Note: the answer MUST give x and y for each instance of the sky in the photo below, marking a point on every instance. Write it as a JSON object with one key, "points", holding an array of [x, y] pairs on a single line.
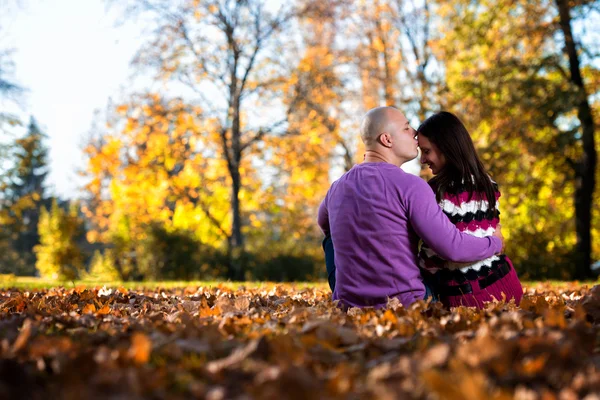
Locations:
{"points": [[72, 58]]}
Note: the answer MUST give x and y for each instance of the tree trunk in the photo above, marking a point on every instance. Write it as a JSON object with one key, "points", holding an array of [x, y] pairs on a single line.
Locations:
{"points": [[586, 167], [237, 239], [388, 79]]}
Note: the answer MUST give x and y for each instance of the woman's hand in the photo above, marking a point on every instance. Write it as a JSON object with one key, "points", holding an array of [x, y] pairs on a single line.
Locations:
{"points": [[498, 234]]}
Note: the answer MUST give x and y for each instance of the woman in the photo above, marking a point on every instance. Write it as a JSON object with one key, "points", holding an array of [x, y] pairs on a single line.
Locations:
{"points": [[469, 198]]}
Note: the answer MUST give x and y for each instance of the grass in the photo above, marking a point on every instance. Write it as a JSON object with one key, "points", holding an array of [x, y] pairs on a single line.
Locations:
{"points": [[560, 284], [29, 283]]}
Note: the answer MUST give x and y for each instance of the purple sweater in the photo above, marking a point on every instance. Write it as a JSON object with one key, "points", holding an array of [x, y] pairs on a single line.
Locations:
{"points": [[375, 214]]}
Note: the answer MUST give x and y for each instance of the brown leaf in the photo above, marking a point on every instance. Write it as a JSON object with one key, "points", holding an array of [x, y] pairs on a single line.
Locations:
{"points": [[591, 303], [23, 337], [331, 334], [533, 365], [436, 356], [242, 303], [285, 342], [225, 304], [234, 358]]}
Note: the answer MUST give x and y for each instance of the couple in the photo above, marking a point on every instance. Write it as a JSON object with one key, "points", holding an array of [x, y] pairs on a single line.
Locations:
{"points": [[390, 234]]}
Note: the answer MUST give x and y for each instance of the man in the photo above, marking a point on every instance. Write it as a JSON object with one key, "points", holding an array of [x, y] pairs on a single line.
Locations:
{"points": [[375, 214]]}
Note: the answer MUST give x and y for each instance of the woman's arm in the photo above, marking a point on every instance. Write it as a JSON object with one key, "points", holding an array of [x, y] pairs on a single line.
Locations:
{"points": [[434, 227]]}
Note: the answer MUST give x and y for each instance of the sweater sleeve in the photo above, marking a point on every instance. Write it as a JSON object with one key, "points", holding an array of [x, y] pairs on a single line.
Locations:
{"points": [[431, 224], [323, 217]]}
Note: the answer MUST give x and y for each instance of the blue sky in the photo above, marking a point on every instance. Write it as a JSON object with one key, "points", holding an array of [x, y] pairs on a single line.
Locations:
{"points": [[72, 58]]}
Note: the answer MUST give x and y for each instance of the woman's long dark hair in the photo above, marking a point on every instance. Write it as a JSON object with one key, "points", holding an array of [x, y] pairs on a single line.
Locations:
{"points": [[448, 133]]}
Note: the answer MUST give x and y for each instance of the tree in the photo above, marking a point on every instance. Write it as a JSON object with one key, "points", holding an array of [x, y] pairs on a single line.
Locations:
{"points": [[58, 256], [9, 89], [102, 268], [303, 157], [391, 41], [224, 51], [23, 197], [380, 56], [11, 92], [156, 168], [27, 186], [395, 57], [585, 167], [505, 77]]}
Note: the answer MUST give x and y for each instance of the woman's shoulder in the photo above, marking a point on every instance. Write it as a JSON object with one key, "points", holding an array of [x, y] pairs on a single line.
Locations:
{"points": [[461, 187], [433, 183]]}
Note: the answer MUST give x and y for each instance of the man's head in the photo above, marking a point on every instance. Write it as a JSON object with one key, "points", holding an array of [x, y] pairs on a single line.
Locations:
{"points": [[386, 131]]}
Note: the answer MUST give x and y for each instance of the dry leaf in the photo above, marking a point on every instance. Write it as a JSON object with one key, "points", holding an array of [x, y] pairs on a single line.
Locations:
{"points": [[591, 303], [242, 303], [140, 349], [104, 310], [23, 337], [281, 342], [89, 309]]}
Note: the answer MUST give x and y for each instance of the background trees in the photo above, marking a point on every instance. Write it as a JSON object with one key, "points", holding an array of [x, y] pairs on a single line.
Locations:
{"points": [[217, 166]]}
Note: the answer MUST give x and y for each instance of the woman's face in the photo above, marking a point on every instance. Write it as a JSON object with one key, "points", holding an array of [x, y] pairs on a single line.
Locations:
{"points": [[431, 155]]}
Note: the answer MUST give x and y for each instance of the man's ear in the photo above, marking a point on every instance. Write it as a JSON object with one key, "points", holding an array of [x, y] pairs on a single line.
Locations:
{"points": [[385, 139]]}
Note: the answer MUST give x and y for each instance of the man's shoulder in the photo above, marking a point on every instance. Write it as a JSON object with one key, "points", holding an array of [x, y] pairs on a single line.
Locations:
{"points": [[408, 179], [388, 171]]}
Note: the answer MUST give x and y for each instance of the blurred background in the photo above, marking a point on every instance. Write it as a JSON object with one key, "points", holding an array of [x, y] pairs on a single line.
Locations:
{"points": [[180, 140]]}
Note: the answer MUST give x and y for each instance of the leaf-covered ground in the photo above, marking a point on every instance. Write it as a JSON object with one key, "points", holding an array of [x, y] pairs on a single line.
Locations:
{"points": [[278, 342]]}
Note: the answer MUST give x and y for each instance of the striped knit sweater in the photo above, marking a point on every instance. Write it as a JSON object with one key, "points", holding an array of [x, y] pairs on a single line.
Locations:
{"points": [[473, 217]]}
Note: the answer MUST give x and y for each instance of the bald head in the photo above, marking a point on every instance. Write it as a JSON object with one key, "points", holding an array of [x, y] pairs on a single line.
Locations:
{"points": [[377, 121]]}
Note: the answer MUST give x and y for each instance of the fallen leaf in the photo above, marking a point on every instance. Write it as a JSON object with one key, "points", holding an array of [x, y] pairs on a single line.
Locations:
{"points": [[104, 310], [23, 337], [89, 309], [140, 349]]}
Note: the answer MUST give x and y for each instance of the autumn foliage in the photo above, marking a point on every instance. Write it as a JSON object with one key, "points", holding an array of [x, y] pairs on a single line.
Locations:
{"points": [[279, 341], [240, 167], [215, 166]]}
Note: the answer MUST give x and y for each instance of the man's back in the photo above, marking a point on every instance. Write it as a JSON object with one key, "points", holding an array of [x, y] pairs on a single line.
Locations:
{"points": [[375, 245]]}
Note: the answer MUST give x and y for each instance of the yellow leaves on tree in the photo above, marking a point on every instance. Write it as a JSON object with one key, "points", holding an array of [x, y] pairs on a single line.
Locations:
{"points": [[493, 53], [58, 256], [158, 168]]}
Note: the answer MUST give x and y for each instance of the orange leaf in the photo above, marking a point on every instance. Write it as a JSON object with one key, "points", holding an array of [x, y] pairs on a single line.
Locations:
{"points": [[141, 347], [104, 310], [88, 309]]}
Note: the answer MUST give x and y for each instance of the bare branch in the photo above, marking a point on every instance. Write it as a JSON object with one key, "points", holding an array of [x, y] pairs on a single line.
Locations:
{"points": [[261, 133]]}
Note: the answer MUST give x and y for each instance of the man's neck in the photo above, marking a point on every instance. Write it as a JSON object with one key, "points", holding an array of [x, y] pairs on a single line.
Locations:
{"points": [[373, 156]]}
